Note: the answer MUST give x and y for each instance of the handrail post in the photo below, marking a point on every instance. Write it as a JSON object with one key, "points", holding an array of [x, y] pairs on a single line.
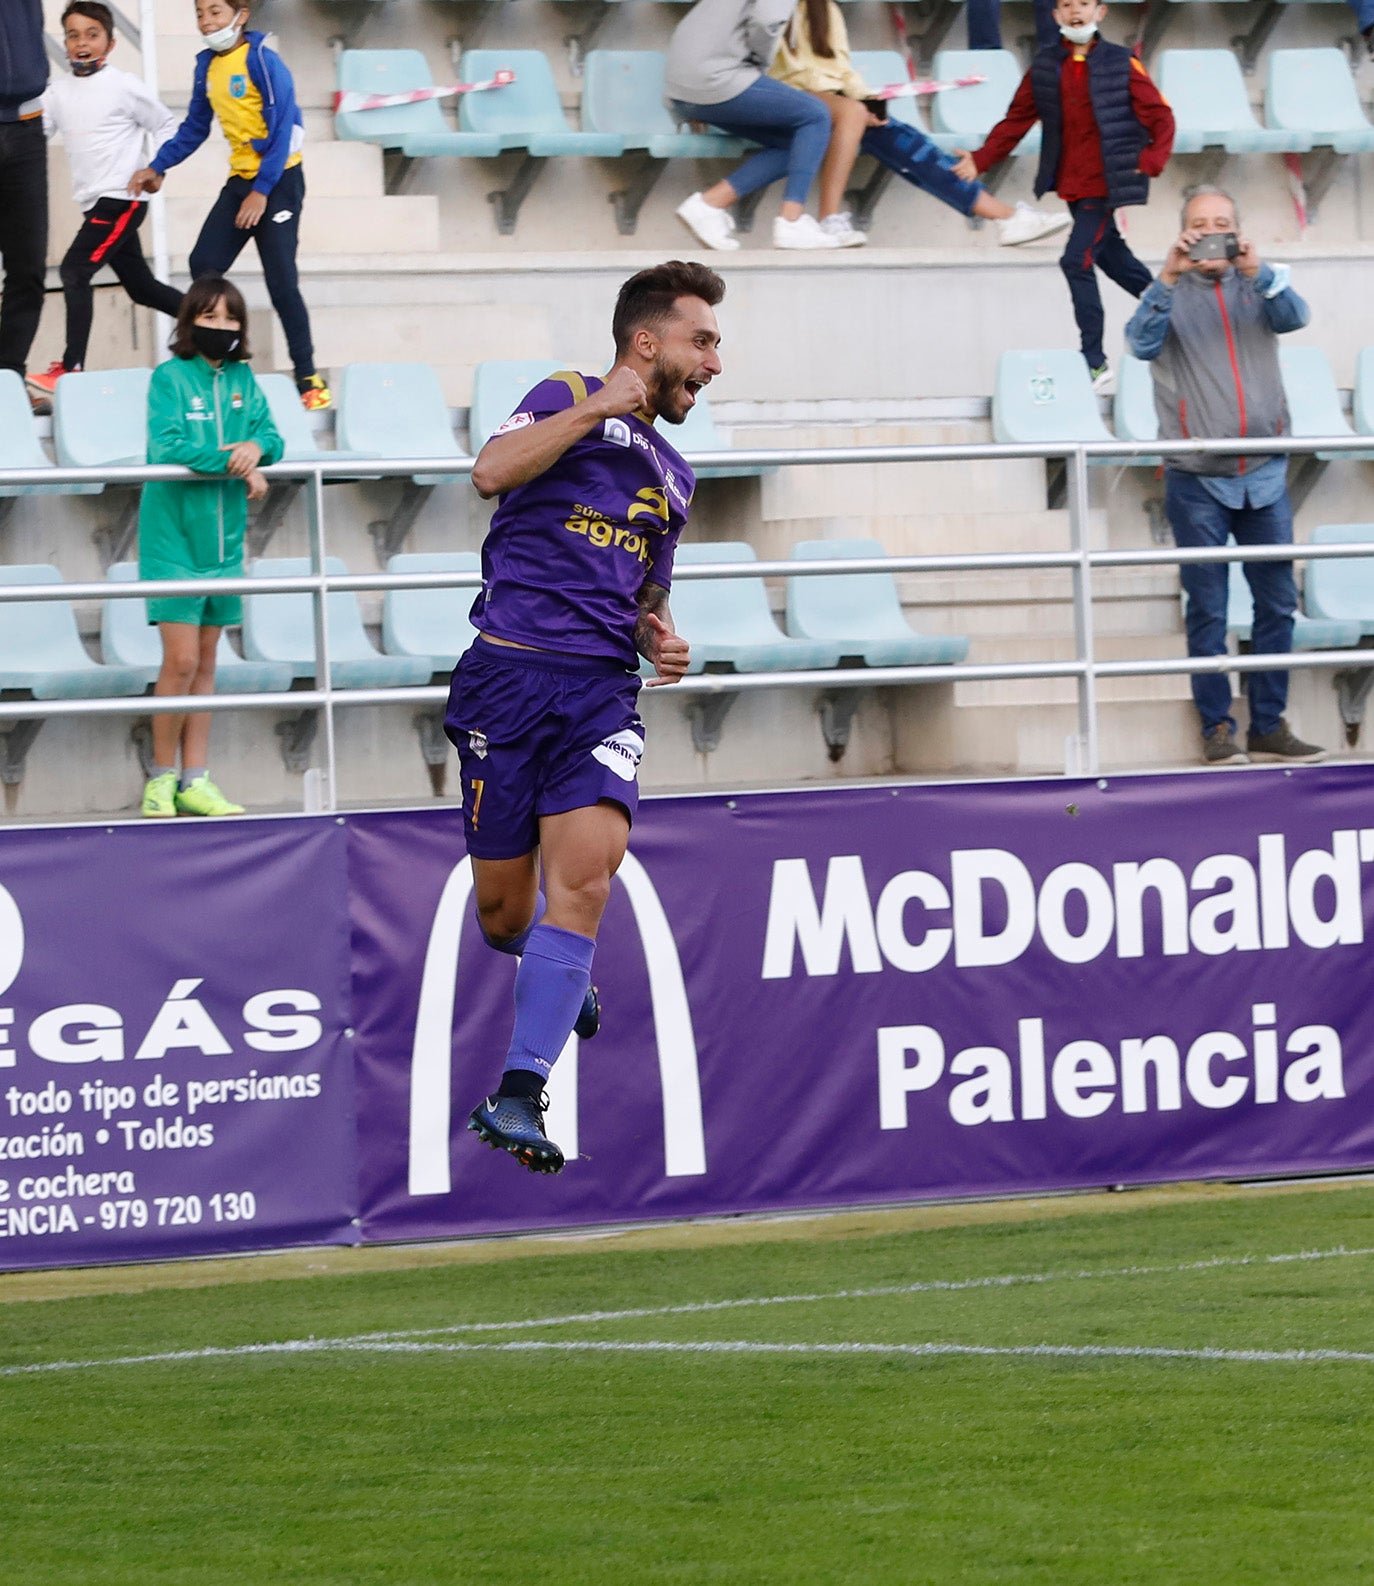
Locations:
{"points": [[1080, 535], [320, 599]]}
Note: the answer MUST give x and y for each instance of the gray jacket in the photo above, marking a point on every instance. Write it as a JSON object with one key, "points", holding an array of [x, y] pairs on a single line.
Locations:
{"points": [[721, 47], [1213, 350]]}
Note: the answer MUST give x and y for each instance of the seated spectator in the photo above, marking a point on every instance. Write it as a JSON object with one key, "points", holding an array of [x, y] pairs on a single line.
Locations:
{"points": [[104, 116], [814, 56], [717, 64], [208, 413]]}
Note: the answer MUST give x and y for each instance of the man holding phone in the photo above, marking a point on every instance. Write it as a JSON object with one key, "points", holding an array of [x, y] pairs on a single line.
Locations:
{"points": [[1209, 329]]}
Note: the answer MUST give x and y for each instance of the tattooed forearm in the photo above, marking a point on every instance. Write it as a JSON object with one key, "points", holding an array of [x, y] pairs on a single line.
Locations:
{"points": [[653, 601]]}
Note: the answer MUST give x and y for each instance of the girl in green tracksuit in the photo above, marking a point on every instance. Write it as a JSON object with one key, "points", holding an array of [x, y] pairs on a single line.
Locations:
{"points": [[206, 412]]}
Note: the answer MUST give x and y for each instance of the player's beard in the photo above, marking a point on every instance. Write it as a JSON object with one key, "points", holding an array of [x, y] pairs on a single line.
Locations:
{"points": [[666, 393]]}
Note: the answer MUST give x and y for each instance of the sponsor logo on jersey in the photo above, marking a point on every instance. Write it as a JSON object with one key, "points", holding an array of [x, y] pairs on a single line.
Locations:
{"points": [[651, 502], [617, 431], [621, 753]]}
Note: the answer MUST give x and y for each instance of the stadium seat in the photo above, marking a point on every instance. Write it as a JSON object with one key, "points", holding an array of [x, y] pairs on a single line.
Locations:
{"points": [[431, 624], [1045, 395], [528, 115], [1341, 589], [130, 640], [41, 650], [293, 424], [881, 69], [860, 612], [100, 418], [415, 131], [1309, 633], [1313, 92], [1211, 107], [1133, 408], [498, 386], [1314, 402], [622, 94], [1362, 406], [19, 444], [727, 621], [281, 629], [391, 411], [967, 115]]}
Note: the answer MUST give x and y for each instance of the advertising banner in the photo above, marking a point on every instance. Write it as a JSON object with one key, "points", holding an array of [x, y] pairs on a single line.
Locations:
{"points": [[175, 1072], [854, 995]]}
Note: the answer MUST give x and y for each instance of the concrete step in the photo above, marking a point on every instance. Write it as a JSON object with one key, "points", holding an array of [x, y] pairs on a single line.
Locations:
{"points": [[400, 225], [332, 170]]}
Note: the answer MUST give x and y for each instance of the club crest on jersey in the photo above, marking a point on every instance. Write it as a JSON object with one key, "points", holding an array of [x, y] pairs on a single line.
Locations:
{"points": [[517, 421], [617, 431], [238, 86], [477, 744]]}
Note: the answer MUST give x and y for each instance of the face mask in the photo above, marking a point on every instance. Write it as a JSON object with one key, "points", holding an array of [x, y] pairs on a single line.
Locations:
{"points": [[223, 39], [86, 68], [1079, 35], [213, 342]]}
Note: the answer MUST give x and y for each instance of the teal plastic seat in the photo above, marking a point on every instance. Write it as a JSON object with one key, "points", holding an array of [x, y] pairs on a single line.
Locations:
{"points": [[498, 388], [1342, 588], [1309, 633], [394, 411], [1133, 409], [622, 94], [19, 444], [431, 624], [727, 621], [100, 419], [1314, 402], [1045, 395], [882, 68], [128, 638], [861, 612], [967, 115], [1206, 90], [41, 649], [1312, 91], [281, 629], [418, 130], [1362, 405], [528, 114], [293, 425]]}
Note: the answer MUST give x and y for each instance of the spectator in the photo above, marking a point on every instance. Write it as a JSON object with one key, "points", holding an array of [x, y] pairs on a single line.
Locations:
{"points": [[814, 56], [1107, 130], [206, 412], [1209, 329], [104, 116], [985, 24], [717, 64], [23, 181], [246, 86]]}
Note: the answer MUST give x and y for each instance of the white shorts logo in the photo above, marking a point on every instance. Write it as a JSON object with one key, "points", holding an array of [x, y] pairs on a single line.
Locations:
{"points": [[622, 753], [517, 421], [616, 431], [281, 215]]}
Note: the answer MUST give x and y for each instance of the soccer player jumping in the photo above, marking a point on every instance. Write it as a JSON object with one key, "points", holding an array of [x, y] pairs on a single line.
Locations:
{"points": [[575, 574]]}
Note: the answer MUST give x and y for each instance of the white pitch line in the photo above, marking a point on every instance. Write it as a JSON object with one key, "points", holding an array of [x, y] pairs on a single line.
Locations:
{"points": [[325, 1346], [695, 1308]]}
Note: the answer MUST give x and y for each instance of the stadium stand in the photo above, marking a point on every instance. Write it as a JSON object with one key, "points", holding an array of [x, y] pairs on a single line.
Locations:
{"points": [[1309, 633], [430, 624], [1212, 109], [21, 448], [962, 118]]}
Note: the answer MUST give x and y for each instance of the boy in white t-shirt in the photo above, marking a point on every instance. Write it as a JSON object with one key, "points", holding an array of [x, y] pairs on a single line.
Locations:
{"points": [[105, 117]]}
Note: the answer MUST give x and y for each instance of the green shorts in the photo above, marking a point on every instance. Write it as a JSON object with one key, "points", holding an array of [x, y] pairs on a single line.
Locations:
{"points": [[201, 611]]}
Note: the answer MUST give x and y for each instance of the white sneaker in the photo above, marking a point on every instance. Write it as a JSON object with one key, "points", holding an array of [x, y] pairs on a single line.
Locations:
{"points": [[803, 232], [710, 225], [1028, 225], [1104, 381], [841, 226]]}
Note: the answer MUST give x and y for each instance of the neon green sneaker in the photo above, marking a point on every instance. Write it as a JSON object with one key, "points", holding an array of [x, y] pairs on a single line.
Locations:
{"points": [[160, 795], [204, 798]]}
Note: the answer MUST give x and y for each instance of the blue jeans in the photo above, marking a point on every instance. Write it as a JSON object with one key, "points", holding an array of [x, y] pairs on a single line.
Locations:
{"points": [[1198, 518], [1364, 13], [907, 151], [985, 31], [1096, 244], [793, 127]]}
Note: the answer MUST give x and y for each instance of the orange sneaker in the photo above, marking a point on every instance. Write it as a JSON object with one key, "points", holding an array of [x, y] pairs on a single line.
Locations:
{"points": [[46, 383], [315, 394]]}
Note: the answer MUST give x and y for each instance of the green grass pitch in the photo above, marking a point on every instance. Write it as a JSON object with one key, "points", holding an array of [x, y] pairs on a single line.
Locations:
{"points": [[1035, 1396]]}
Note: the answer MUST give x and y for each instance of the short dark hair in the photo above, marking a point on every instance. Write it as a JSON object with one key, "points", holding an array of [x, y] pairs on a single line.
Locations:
{"points": [[646, 300], [92, 9], [201, 296]]}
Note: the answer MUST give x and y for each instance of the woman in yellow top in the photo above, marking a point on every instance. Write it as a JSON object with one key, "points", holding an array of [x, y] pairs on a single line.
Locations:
{"points": [[814, 56]]}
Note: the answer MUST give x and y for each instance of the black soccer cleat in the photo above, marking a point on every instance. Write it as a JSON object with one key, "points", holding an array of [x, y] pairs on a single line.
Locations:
{"points": [[516, 1124], [588, 1016]]}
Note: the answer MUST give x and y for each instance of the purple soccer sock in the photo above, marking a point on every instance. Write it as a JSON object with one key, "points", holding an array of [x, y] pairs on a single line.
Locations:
{"points": [[516, 945], [555, 971]]}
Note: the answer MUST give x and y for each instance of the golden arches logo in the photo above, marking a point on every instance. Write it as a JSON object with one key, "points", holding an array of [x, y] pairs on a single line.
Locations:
{"points": [[651, 502]]}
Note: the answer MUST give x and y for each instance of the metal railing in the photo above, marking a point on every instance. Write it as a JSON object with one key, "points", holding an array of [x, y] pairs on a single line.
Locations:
{"points": [[1081, 561]]}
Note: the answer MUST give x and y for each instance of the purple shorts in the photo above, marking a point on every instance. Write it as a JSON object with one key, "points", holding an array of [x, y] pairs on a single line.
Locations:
{"points": [[539, 734]]}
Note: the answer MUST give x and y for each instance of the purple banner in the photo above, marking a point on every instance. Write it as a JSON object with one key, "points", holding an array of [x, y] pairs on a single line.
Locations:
{"points": [[861, 995], [175, 1076]]}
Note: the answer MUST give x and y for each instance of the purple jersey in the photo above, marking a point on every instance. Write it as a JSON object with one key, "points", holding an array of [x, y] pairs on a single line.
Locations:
{"points": [[567, 553]]}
